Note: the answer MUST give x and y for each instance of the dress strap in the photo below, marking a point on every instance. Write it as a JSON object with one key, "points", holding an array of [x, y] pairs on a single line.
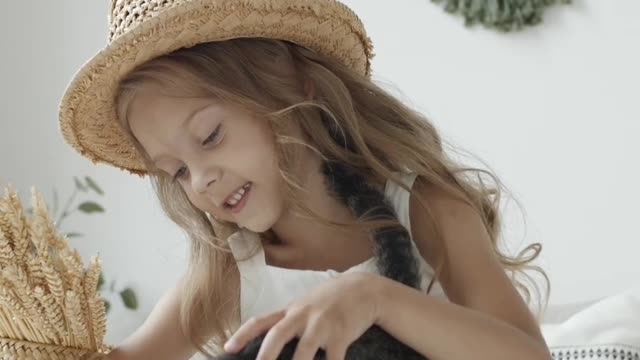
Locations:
{"points": [[400, 198], [247, 247], [249, 255]]}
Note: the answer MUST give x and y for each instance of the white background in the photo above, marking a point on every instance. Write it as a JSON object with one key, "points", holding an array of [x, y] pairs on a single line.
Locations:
{"points": [[550, 109]]}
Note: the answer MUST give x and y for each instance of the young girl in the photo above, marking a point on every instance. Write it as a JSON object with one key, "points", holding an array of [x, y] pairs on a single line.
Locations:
{"points": [[231, 107]]}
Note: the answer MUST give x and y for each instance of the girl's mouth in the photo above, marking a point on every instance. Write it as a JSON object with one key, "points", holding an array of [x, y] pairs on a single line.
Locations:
{"points": [[236, 201]]}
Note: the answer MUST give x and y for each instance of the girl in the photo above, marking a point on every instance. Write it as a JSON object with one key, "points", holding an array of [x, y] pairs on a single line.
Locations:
{"points": [[231, 107]]}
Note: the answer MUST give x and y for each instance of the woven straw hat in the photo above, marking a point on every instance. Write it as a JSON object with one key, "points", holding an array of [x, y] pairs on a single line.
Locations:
{"points": [[141, 30]]}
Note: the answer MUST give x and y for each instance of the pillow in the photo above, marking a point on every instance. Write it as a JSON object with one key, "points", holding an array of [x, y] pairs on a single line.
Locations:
{"points": [[607, 329]]}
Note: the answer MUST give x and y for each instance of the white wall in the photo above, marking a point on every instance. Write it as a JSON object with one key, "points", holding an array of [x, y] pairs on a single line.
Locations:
{"points": [[40, 53], [550, 109]]}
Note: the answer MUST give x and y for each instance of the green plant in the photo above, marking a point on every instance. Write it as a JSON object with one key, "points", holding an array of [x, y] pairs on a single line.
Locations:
{"points": [[128, 295], [87, 207], [502, 15], [86, 186]]}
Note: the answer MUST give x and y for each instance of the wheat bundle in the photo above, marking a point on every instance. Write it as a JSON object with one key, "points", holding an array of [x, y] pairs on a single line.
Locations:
{"points": [[49, 304]]}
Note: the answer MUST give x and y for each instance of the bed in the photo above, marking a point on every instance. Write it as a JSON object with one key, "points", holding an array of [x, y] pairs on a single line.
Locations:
{"points": [[605, 329]]}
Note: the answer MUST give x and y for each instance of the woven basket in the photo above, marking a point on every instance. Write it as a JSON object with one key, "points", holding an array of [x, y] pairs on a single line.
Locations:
{"points": [[16, 349], [49, 304]]}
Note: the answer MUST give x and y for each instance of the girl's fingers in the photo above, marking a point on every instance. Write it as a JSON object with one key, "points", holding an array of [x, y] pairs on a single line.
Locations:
{"points": [[277, 337], [337, 351], [250, 330], [308, 346]]}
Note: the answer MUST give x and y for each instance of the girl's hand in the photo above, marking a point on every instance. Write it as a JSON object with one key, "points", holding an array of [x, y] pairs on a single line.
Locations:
{"points": [[331, 317]]}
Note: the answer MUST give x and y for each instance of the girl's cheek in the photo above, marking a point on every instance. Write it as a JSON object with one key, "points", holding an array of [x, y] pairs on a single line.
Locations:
{"points": [[221, 216], [203, 204]]}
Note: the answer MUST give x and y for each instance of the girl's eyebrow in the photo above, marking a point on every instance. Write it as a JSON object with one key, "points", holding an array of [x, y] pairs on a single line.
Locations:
{"points": [[184, 124]]}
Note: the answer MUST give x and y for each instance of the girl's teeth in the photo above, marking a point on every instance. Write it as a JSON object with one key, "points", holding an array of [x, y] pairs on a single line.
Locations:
{"points": [[238, 195]]}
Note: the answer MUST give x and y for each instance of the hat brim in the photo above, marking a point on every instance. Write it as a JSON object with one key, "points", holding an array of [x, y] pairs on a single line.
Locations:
{"points": [[88, 118]]}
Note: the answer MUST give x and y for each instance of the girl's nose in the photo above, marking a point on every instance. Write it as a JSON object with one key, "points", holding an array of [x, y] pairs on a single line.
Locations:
{"points": [[201, 181]]}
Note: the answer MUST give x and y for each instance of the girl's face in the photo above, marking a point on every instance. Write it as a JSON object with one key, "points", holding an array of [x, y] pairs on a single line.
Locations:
{"points": [[224, 158]]}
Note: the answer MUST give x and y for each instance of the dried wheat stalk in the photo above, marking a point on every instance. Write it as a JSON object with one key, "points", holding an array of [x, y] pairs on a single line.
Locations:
{"points": [[49, 304]]}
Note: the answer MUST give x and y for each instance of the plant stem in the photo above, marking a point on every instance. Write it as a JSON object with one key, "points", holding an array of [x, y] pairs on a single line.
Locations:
{"points": [[65, 210], [55, 202]]}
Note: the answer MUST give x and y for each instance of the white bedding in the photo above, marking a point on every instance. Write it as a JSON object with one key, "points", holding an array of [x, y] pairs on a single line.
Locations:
{"points": [[607, 329]]}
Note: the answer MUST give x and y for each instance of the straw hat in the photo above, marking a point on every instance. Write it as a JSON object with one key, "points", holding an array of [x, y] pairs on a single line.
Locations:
{"points": [[141, 30]]}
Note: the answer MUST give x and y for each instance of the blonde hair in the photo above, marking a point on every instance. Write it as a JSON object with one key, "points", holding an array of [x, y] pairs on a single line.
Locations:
{"points": [[267, 78]]}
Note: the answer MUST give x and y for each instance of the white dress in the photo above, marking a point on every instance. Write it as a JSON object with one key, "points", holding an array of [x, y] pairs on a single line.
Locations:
{"points": [[265, 288]]}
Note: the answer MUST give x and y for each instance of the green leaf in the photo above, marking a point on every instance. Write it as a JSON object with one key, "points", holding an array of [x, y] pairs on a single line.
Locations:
{"points": [[129, 298], [89, 207], [451, 7], [500, 15], [92, 184], [475, 9], [100, 281], [79, 185], [492, 11], [73, 235], [107, 306]]}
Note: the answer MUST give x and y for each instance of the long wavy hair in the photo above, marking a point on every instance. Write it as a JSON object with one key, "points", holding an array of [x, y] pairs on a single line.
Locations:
{"points": [[268, 77]]}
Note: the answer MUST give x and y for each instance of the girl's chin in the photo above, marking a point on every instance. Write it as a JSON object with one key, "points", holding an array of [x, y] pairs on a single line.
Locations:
{"points": [[258, 224], [256, 227]]}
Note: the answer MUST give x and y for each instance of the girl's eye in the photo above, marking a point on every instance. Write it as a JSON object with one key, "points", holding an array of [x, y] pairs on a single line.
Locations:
{"points": [[213, 137], [180, 173]]}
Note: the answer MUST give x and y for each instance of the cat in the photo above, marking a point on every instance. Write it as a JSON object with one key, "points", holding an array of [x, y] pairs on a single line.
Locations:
{"points": [[394, 259]]}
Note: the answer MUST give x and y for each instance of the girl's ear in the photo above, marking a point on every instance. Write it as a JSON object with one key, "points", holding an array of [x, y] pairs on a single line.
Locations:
{"points": [[309, 89]]}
